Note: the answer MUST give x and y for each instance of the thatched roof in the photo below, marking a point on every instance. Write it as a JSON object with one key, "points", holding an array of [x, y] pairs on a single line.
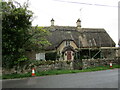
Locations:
{"points": [[85, 37]]}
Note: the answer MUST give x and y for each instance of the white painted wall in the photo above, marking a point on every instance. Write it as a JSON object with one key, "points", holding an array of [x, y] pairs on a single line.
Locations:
{"points": [[40, 56]]}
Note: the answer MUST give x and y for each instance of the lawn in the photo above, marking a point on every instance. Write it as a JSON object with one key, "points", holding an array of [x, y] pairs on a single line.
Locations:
{"points": [[56, 72]]}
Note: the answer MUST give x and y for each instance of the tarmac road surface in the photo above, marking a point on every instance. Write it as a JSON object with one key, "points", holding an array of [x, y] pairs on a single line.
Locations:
{"points": [[97, 79]]}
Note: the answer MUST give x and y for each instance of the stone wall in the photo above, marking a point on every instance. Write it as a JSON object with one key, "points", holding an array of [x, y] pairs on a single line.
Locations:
{"points": [[61, 65], [56, 66], [87, 63], [38, 68]]}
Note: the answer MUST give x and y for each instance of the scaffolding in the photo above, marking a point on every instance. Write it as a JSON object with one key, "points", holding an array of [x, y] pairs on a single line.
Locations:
{"points": [[95, 51]]}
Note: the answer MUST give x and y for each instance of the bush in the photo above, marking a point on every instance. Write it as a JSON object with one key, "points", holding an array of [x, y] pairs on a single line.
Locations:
{"points": [[51, 56], [68, 62]]}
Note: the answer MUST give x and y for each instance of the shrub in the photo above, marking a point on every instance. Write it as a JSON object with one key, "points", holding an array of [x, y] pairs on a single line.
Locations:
{"points": [[51, 56], [68, 62]]}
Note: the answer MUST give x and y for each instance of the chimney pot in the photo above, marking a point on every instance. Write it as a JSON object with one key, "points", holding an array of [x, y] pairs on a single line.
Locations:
{"points": [[78, 23], [52, 22]]}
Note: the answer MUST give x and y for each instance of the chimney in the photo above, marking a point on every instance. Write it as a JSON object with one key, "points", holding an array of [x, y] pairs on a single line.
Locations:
{"points": [[78, 23], [52, 22]]}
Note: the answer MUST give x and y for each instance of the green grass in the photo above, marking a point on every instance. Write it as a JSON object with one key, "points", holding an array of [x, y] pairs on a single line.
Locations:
{"points": [[56, 72]]}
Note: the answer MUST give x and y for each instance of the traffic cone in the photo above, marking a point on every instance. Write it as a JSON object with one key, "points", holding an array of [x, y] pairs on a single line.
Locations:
{"points": [[110, 64], [33, 72]]}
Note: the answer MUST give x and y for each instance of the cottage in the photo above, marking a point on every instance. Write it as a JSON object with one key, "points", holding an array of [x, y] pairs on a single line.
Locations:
{"points": [[66, 40]]}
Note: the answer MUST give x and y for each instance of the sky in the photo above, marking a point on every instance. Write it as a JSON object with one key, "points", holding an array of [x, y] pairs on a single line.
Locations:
{"points": [[93, 13]]}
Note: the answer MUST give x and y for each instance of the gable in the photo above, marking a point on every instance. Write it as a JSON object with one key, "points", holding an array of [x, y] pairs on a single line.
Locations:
{"points": [[64, 44]]}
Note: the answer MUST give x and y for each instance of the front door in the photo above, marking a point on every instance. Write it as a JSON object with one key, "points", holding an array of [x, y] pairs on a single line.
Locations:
{"points": [[69, 56]]}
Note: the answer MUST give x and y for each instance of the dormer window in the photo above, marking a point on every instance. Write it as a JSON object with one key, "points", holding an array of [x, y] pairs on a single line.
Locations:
{"points": [[67, 43]]}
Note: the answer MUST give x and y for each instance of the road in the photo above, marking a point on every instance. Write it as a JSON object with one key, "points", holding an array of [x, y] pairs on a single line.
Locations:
{"points": [[97, 79]]}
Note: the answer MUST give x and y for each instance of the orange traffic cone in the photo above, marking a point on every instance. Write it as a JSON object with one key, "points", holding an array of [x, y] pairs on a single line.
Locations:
{"points": [[33, 72], [110, 64]]}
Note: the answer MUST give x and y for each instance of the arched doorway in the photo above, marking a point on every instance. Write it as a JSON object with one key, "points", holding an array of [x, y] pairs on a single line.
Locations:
{"points": [[68, 53]]}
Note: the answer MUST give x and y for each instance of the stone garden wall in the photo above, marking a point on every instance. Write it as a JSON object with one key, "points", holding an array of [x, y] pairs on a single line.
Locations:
{"points": [[44, 66], [60, 65], [57, 66], [87, 63]]}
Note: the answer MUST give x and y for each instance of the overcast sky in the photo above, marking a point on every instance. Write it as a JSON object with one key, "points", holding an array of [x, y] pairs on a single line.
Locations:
{"points": [[66, 13]]}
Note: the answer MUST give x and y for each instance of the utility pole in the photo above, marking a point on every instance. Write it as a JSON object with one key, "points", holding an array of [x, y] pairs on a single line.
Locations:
{"points": [[79, 45], [79, 36]]}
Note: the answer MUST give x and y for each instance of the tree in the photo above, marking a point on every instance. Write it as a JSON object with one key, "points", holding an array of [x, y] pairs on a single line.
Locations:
{"points": [[18, 34], [37, 39]]}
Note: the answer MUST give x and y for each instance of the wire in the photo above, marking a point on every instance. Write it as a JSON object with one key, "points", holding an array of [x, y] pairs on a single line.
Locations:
{"points": [[87, 3]]}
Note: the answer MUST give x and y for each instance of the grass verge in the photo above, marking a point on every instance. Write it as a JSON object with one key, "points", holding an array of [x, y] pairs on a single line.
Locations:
{"points": [[56, 72]]}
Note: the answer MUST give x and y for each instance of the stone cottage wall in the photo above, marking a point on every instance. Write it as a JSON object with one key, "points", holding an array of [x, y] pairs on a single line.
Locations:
{"points": [[31, 55]]}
